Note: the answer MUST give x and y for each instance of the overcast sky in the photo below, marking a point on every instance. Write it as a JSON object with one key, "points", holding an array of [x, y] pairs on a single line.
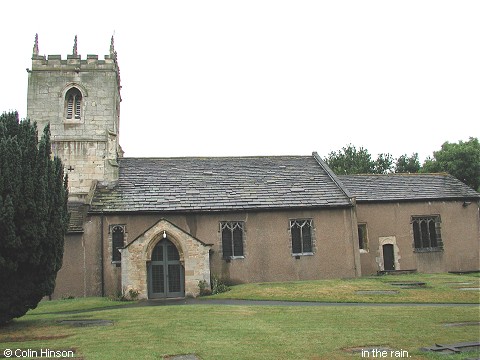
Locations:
{"points": [[231, 78]]}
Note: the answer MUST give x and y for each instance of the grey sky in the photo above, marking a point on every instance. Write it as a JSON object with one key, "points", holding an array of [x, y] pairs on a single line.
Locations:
{"points": [[225, 78]]}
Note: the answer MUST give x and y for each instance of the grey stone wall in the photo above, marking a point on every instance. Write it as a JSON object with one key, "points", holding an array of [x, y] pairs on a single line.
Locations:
{"points": [[87, 146]]}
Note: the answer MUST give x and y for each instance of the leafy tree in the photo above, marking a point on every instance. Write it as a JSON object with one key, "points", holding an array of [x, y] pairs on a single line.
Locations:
{"points": [[383, 164], [33, 216], [461, 160], [349, 160], [405, 164]]}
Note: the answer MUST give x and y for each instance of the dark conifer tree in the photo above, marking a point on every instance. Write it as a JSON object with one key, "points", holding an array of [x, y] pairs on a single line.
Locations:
{"points": [[33, 216]]}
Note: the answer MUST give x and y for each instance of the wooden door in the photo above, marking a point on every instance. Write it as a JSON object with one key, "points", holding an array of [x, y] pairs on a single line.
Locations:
{"points": [[388, 257], [165, 272]]}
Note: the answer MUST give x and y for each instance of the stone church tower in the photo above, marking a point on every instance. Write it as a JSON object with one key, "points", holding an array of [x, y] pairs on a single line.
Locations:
{"points": [[80, 99]]}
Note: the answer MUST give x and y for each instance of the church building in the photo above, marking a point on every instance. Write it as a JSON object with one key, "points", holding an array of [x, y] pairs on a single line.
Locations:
{"points": [[160, 226]]}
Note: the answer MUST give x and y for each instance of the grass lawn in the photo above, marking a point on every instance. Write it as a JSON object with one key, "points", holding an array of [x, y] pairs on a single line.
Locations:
{"points": [[240, 332], [438, 288]]}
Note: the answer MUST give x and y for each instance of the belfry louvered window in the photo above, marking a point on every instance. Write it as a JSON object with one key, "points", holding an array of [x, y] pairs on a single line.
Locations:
{"points": [[73, 104], [426, 233], [301, 232], [232, 238]]}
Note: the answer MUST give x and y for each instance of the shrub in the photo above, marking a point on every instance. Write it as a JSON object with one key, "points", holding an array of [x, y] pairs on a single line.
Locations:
{"points": [[219, 285], [122, 295], [204, 288], [133, 294]]}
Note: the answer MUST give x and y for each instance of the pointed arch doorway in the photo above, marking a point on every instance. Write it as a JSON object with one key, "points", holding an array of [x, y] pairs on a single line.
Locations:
{"points": [[166, 275], [139, 266]]}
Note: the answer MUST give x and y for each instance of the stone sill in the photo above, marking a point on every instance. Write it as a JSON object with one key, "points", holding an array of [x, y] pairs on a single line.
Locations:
{"points": [[428, 250], [297, 256], [230, 258], [72, 121]]}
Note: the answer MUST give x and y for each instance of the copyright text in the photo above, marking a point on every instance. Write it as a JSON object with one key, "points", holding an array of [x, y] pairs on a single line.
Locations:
{"points": [[37, 353]]}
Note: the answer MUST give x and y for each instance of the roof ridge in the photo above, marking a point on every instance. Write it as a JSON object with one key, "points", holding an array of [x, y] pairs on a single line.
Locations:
{"points": [[443, 173], [212, 157], [332, 175]]}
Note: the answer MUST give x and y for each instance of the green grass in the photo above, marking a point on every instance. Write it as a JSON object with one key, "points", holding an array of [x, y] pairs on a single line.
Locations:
{"points": [[440, 288], [85, 304], [242, 332]]}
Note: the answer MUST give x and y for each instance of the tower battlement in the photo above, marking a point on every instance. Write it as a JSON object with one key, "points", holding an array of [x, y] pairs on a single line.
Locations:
{"points": [[41, 62], [74, 61]]}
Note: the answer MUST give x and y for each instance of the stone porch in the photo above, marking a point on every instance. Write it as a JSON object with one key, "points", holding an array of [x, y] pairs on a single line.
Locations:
{"points": [[194, 257]]}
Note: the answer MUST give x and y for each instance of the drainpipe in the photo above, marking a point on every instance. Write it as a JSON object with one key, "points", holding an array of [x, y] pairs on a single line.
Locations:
{"points": [[102, 276]]}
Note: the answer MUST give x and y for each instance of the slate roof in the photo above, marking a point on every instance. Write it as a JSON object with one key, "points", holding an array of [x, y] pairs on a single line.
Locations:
{"points": [[221, 184], [407, 187]]}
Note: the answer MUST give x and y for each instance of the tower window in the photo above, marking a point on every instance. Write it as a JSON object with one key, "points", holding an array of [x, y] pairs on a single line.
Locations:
{"points": [[73, 104]]}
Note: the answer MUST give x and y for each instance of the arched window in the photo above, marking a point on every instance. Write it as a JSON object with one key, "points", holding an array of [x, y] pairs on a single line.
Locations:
{"points": [[118, 239], [73, 104], [232, 238], [301, 232]]}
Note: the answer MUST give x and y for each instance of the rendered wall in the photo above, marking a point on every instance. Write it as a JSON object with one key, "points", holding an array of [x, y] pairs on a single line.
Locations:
{"points": [[267, 247], [460, 232]]}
